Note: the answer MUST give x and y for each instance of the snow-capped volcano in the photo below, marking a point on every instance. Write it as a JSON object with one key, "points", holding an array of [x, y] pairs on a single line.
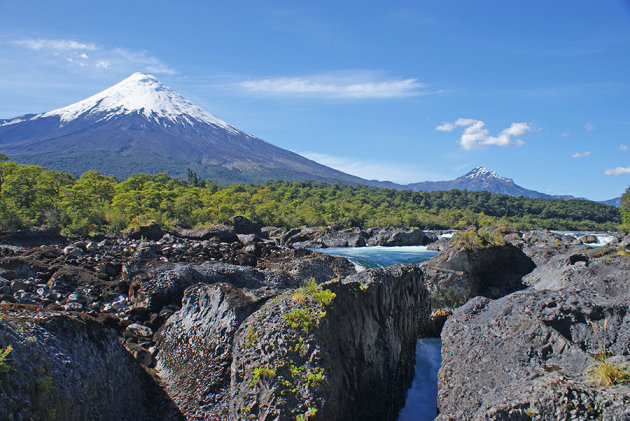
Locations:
{"points": [[482, 173], [142, 94], [480, 179], [142, 125]]}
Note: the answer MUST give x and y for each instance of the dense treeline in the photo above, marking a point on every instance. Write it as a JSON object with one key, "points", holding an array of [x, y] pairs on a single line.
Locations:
{"points": [[625, 210], [34, 196]]}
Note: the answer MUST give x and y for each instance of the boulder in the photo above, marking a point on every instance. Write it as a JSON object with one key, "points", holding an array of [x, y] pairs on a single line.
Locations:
{"points": [[158, 285], [195, 349], [439, 245], [243, 225], [588, 239], [151, 232], [390, 236], [457, 274], [33, 237], [541, 245], [221, 233], [528, 355], [71, 367]]}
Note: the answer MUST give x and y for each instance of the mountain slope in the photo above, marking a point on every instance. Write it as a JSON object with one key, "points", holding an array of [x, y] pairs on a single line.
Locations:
{"points": [[141, 125], [613, 202], [480, 179]]}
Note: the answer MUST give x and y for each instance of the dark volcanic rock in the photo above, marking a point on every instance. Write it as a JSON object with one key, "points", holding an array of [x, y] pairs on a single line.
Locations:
{"points": [[325, 237], [195, 348], [243, 225], [541, 245], [352, 359], [32, 237], [70, 367], [220, 232], [164, 283], [439, 245], [527, 355], [334, 236], [151, 232], [455, 275], [390, 236]]}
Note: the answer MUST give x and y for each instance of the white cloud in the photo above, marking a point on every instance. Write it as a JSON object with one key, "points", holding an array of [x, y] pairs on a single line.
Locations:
{"points": [[62, 52], [372, 170], [445, 127], [623, 147], [617, 171], [564, 134], [581, 154], [476, 135], [58, 45], [362, 85], [589, 127]]}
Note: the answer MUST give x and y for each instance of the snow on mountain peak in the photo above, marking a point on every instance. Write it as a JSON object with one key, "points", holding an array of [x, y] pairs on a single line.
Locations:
{"points": [[483, 172], [143, 94]]}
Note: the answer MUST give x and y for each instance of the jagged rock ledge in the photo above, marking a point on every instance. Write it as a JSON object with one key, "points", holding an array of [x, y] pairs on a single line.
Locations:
{"points": [[528, 355]]}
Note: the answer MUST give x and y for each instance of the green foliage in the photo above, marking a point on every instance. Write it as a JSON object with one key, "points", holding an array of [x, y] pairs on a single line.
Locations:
{"points": [[94, 203], [44, 384], [625, 211], [250, 338], [4, 365], [488, 236], [310, 289], [604, 373], [607, 374], [315, 377], [262, 373], [301, 320]]}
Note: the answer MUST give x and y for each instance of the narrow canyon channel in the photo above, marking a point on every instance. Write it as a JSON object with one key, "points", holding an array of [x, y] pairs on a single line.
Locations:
{"points": [[421, 401]]}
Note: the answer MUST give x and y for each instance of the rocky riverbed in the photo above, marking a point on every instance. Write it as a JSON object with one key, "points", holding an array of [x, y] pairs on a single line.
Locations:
{"points": [[234, 322]]}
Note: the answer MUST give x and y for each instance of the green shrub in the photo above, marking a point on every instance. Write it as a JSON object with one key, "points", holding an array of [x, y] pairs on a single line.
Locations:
{"points": [[262, 373], [301, 320], [4, 365]]}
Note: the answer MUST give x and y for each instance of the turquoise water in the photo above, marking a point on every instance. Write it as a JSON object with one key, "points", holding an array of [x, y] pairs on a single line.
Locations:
{"points": [[421, 400], [378, 256]]}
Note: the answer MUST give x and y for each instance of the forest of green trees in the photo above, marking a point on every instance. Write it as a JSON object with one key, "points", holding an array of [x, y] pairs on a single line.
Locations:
{"points": [[36, 196]]}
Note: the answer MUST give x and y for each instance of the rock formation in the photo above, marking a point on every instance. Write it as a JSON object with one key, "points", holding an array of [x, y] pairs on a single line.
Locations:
{"points": [[528, 355]]}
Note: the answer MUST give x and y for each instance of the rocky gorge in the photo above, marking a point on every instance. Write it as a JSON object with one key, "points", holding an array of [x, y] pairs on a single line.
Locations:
{"points": [[235, 322]]}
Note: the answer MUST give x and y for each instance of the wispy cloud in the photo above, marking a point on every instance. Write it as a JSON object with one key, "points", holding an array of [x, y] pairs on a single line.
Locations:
{"points": [[581, 154], [371, 170], [617, 171], [622, 147], [58, 45], [359, 85], [445, 127], [84, 55], [476, 136], [589, 127]]}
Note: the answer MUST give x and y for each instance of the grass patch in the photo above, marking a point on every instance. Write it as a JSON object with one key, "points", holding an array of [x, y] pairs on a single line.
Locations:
{"points": [[604, 373], [608, 374]]}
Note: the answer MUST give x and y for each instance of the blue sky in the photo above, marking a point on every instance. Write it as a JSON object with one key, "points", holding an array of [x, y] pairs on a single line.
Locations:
{"points": [[538, 91]]}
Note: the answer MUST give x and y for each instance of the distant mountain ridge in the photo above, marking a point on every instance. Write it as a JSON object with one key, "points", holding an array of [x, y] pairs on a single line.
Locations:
{"points": [[140, 125], [480, 179]]}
